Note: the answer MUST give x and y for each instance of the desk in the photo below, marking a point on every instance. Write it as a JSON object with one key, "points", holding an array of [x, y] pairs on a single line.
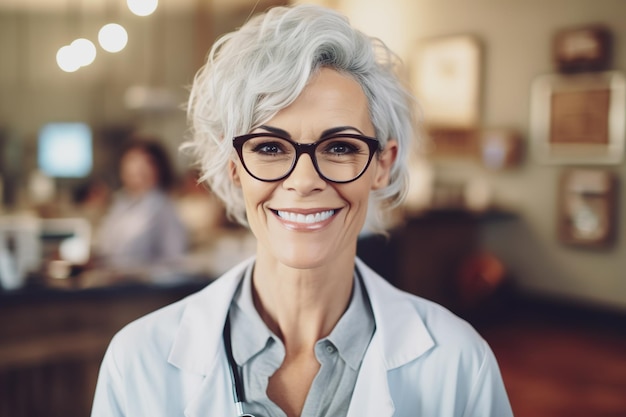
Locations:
{"points": [[52, 340]]}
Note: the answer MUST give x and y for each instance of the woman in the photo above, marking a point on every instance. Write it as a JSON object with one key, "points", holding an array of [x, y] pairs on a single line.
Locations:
{"points": [[142, 227], [300, 128]]}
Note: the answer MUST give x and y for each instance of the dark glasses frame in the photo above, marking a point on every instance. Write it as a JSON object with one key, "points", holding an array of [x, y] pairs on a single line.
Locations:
{"points": [[306, 148]]}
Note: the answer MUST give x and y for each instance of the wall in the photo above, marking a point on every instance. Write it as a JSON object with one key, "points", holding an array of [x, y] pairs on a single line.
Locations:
{"points": [[517, 36]]}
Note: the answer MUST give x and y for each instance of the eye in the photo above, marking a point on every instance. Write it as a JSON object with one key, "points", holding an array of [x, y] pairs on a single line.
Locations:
{"points": [[268, 147], [342, 147]]}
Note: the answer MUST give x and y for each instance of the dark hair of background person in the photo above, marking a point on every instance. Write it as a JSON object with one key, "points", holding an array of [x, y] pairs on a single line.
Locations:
{"points": [[158, 155]]}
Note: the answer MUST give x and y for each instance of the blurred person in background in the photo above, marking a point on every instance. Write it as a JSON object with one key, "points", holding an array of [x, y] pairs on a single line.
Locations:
{"points": [[91, 200], [301, 126], [142, 226]]}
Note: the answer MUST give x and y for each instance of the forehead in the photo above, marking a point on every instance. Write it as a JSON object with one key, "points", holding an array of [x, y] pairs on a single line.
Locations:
{"points": [[329, 100], [136, 155], [133, 153]]}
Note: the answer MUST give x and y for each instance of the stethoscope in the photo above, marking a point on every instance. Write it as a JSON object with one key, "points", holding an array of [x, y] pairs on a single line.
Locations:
{"points": [[235, 377]]}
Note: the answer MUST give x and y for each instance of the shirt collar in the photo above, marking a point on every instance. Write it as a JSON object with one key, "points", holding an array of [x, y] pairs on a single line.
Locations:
{"points": [[249, 332], [354, 330], [351, 334]]}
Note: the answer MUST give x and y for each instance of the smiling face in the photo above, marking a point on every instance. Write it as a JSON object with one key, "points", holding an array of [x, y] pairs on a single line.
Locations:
{"points": [[303, 221]]}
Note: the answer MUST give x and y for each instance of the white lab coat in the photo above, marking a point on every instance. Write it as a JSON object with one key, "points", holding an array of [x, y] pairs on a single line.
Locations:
{"points": [[422, 361]]}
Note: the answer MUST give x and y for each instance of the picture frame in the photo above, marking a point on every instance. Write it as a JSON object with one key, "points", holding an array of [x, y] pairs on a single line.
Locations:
{"points": [[582, 49], [446, 77], [578, 119], [587, 207]]}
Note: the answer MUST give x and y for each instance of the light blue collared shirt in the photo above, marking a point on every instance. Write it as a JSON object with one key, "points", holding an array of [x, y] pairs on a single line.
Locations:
{"points": [[259, 353]]}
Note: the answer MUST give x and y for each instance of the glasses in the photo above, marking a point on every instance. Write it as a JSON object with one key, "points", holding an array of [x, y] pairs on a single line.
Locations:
{"points": [[339, 158]]}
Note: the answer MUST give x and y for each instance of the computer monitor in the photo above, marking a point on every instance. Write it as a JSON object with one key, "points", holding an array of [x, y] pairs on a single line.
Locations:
{"points": [[65, 150]]}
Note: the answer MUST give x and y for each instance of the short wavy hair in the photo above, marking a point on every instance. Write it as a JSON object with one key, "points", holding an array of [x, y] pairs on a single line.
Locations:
{"points": [[261, 68]]}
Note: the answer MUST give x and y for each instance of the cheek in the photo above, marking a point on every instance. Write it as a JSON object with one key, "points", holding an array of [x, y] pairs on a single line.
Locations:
{"points": [[255, 194], [357, 195]]}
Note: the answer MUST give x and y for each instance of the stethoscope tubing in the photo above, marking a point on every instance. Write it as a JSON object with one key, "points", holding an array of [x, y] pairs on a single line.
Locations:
{"points": [[235, 377]]}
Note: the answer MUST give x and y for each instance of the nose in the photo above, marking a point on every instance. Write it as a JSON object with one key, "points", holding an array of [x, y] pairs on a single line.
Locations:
{"points": [[304, 178]]}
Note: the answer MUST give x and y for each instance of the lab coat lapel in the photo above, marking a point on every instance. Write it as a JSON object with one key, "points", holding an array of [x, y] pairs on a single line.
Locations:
{"points": [[371, 397], [401, 337], [199, 350], [198, 340], [402, 333], [214, 397]]}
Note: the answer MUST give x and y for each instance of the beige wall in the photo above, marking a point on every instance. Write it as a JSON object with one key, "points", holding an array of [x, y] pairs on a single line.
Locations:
{"points": [[517, 37]]}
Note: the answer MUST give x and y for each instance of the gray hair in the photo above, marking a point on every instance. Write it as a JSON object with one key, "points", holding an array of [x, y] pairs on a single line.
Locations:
{"points": [[261, 68]]}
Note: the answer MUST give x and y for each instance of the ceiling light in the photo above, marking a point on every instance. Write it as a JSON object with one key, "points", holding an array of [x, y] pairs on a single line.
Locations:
{"points": [[142, 7], [67, 59], [84, 50], [112, 37]]}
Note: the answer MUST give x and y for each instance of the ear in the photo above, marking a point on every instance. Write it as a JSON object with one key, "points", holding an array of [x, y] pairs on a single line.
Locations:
{"points": [[385, 161], [233, 172]]}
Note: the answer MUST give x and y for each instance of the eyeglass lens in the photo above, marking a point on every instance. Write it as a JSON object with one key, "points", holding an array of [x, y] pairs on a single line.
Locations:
{"points": [[339, 158]]}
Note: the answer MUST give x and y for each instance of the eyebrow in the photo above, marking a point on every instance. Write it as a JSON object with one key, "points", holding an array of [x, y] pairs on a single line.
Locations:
{"points": [[325, 133]]}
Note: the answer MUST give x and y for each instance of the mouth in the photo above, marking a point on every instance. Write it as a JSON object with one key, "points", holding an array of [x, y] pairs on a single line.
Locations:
{"points": [[308, 219]]}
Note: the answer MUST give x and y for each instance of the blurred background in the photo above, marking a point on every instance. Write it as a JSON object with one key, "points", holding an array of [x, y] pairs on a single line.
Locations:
{"points": [[513, 219]]}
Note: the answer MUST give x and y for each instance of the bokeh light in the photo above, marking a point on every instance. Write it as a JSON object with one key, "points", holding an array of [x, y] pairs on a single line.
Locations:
{"points": [[67, 59], [84, 50], [142, 7], [112, 37]]}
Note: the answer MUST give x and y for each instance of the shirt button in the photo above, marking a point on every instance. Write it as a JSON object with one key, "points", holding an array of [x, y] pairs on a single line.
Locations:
{"points": [[330, 349]]}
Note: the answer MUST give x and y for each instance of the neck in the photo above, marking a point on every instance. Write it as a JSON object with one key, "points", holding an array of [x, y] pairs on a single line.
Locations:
{"points": [[138, 192], [302, 306]]}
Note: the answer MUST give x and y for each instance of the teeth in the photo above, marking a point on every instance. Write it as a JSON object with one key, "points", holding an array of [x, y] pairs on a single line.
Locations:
{"points": [[308, 218]]}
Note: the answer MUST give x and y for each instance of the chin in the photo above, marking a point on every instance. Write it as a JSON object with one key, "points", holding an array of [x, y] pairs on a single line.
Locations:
{"points": [[310, 258]]}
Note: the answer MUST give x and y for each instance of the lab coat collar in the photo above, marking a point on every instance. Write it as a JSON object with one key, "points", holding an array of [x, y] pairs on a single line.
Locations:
{"points": [[198, 340], [401, 336], [399, 328], [198, 347]]}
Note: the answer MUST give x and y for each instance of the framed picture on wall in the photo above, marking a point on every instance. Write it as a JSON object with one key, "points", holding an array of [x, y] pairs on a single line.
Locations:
{"points": [[578, 119], [582, 49], [587, 207], [445, 75]]}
